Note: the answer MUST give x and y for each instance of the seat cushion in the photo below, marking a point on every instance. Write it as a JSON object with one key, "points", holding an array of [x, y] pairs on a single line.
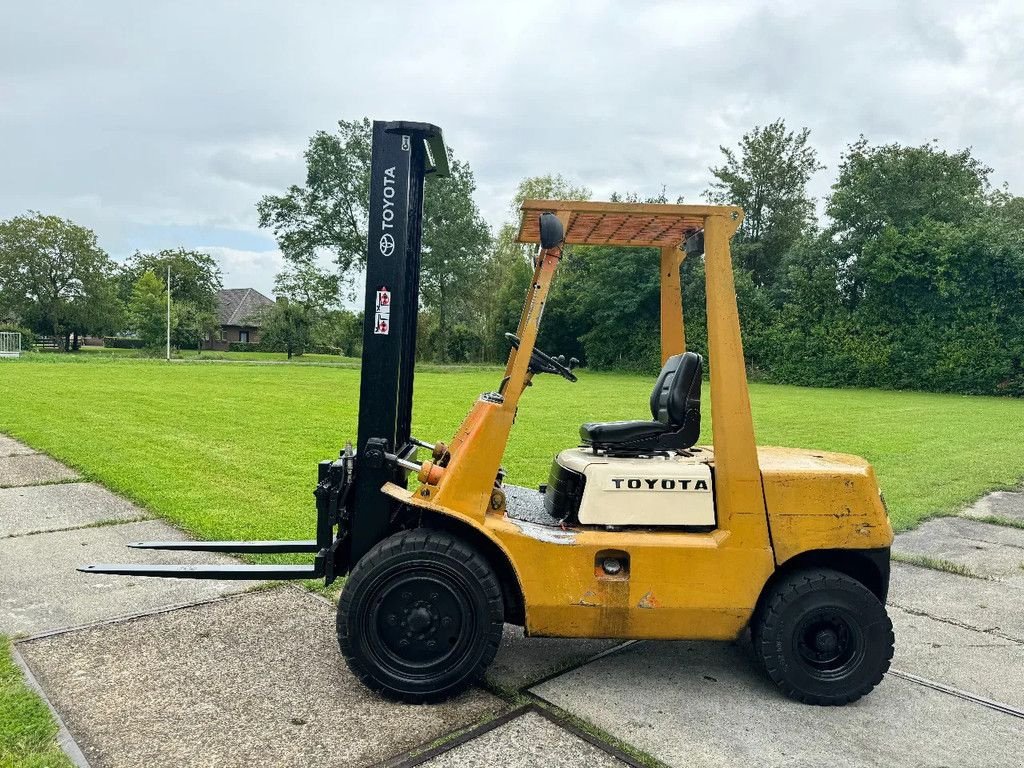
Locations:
{"points": [[614, 432]]}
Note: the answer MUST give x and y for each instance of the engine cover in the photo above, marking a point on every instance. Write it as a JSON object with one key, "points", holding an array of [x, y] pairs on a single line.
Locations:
{"points": [[660, 490]]}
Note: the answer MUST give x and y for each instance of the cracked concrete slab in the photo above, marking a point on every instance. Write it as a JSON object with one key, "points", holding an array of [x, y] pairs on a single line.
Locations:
{"points": [[1005, 504], [32, 469], [11, 447], [976, 662], [36, 508], [528, 741], [255, 679], [522, 661], [989, 550], [980, 604], [41, 590], [707, 704]]}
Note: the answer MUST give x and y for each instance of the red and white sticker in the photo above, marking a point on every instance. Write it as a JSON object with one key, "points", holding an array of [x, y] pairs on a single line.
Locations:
{"points": [[382, 315]]}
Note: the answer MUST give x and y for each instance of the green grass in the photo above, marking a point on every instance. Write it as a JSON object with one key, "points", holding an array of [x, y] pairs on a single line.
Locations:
{"points": [[935, 564], [191, 354], [27, 732], [230, 451]]}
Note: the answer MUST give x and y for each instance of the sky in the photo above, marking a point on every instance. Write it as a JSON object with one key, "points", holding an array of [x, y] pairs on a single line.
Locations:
{"points": [[161, 125]]}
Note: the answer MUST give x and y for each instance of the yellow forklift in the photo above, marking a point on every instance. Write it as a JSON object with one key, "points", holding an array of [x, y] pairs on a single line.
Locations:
{"points": [[639, 532]]}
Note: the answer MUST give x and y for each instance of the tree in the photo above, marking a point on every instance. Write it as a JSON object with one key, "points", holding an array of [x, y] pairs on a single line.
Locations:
{"points": [[305, 281], [895, 186], [329, 214], [341, 330], [454, 261], [306, 296], [147, 309], [195, 281], [192, 325], [54, 276], [767, 176], [510, 267], [195, 276], [288, 324]]}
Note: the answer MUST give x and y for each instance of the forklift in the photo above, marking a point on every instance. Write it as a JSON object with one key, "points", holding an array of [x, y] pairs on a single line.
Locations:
{"points": [[639, 532]]}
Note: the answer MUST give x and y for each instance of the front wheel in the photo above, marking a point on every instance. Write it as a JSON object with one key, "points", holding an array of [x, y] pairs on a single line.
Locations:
{"points": [[420, 617], [823, 637]]}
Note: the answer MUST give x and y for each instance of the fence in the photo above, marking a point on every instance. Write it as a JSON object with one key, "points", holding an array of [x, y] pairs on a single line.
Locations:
{"points": [[10, 344]]}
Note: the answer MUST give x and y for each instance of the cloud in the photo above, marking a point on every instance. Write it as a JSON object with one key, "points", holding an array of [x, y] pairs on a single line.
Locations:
{"points": [[156, 122], [247, 269]]}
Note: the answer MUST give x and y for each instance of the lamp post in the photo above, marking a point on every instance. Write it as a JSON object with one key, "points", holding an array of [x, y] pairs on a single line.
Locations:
{"points": [[168, 313]]}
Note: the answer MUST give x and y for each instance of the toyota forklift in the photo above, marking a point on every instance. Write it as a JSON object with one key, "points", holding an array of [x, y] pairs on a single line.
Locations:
{"points": [[639, 533]]}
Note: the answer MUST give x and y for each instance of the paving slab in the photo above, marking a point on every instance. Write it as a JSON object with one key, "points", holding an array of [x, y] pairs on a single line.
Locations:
{"points": [[989, 606], [40, 590], [11, 447], [707, 704], [976, 662], [254, 679], [33, 469], [528, 741], [989, 550], [37, 508], [1005, 504], [523, 661]]}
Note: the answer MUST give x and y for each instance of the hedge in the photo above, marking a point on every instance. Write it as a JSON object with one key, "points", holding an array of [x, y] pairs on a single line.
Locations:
{"points": [[123, 342]]}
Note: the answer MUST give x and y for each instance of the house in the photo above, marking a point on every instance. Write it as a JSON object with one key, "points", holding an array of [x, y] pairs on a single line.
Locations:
{"points": [[239, 313]]}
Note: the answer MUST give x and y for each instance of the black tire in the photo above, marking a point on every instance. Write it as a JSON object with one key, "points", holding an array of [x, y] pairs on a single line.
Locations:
{"points": [[822, 637], [420, 617]]}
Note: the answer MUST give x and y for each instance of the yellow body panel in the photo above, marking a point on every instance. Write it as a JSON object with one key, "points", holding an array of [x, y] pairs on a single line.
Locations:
{"points": [[680, 585], [820, 500]]}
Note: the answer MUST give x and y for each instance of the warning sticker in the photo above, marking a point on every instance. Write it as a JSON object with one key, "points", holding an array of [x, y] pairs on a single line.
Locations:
{"points": [[382, 315]]}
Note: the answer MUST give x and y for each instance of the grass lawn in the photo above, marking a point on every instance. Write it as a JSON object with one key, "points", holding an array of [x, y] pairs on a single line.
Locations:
{"points": [[191, 354], [27, 732], [230, 451]]}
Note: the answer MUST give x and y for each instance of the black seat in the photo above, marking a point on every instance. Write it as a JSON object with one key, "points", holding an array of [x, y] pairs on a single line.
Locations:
{"points": [[675, 406]]}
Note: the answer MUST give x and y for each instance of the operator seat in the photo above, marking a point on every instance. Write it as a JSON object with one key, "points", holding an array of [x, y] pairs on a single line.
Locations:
{"points": [[675, 406]]}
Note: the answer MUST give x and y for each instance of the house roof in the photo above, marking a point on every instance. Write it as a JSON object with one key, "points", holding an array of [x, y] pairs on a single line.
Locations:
{"points": [[241, 306]]}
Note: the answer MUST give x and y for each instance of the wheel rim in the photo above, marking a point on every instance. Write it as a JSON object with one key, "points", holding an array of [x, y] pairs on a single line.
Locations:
{"points": [[829, 643], [420, 622]]}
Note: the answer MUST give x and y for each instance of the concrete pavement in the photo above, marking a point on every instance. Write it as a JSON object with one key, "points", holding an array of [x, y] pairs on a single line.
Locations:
{"points": [[162, 672]]}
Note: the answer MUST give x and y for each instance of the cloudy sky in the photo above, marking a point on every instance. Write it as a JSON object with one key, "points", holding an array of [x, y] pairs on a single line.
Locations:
{"points": [[161, 124]]}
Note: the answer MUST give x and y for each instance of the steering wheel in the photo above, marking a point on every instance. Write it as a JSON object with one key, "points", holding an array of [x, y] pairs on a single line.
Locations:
{"points": [[542, 362]]}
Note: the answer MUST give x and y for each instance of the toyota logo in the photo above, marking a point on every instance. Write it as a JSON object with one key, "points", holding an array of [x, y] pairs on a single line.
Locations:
{"points": [[387, 244]]}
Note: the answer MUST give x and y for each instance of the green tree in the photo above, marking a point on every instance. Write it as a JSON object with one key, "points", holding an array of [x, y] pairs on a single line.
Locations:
{"points": [[341, 330], [510, 267], [55, 277], [192, 325], [895, 186], [305, 281], [147, 310], [288, 325], [767, 174], [454, 260], [195, 281], [329, 214]]}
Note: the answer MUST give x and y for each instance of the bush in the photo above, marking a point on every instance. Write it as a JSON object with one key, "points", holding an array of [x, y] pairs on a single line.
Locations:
{"points": [[247, 346], [122, 342], [324, 349]]}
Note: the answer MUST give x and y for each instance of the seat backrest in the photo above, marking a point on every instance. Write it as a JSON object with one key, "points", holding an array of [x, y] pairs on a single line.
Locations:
{"points": [[677, 389]]}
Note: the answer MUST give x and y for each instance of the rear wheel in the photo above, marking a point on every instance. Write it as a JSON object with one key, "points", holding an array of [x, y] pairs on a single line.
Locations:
{"points": [[823, 637], [420, 617]]}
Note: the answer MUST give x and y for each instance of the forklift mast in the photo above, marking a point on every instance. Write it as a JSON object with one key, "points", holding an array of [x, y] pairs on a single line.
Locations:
{"points": [[403, 154]]}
